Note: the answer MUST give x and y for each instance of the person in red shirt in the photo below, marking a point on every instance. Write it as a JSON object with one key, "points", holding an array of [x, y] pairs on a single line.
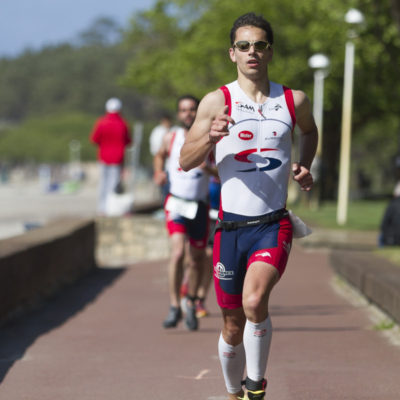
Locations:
{"points": [[111, 134]]}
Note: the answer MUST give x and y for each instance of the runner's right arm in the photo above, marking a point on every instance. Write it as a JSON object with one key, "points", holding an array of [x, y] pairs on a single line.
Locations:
{"points": [[160, 176], [210, 125]]}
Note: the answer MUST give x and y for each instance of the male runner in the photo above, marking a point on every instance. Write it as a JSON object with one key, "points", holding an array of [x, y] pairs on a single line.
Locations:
{"points": [[186, 210], [249, 124]]}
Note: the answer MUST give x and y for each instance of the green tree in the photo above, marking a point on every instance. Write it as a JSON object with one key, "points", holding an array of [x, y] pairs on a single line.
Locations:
{"points": [[47, 139], [67, 78], [153, 42], [172, 57], [43, 92]]}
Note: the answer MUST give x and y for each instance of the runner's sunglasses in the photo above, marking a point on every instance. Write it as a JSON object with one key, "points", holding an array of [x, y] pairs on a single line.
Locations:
{"points": [[244, 45]]}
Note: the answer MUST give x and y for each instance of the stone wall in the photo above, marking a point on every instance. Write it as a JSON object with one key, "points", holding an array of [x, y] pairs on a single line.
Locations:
{"points": [[122, 241], [375, 277], [36, 264]]}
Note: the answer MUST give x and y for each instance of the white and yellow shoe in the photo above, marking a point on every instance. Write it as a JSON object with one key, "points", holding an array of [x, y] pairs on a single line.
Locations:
{"points": [[255, 390], [238, 396]]}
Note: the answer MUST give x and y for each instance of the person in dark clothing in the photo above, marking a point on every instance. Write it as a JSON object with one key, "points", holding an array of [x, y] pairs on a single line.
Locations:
{"points": [[390, 225]]}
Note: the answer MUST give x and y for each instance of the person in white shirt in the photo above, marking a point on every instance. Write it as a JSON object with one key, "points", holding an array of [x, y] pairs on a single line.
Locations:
{"points": [[187, 220], [155, 142]]}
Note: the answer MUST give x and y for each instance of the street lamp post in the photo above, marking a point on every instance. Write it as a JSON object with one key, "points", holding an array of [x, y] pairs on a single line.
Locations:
{"points": [[353, 17], [320, 64]]}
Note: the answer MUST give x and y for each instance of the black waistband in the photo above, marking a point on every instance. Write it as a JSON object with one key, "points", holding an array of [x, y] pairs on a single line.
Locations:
{"points": [[265, 219]]}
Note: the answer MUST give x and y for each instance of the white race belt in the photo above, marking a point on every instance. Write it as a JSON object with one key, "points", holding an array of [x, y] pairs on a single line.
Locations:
{"points": [[185, 208]]}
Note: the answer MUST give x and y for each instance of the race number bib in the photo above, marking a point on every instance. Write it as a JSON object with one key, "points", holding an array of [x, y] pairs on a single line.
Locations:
{"points": [[185, 208]]}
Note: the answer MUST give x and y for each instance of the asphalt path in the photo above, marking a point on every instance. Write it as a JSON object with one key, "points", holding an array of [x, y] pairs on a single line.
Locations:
{"points": [[102, 339]]}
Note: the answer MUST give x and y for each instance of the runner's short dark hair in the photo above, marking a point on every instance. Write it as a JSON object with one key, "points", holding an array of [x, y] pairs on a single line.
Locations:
{"points": [[187, 97], [251, 19]]}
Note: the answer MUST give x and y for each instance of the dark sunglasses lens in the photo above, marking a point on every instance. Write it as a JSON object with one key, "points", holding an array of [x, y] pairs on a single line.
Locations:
{"points": [[243, 45], [260, 45]]}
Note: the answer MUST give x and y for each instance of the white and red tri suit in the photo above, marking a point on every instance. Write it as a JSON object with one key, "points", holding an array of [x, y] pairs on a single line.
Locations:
{"points": [[254, 159], [254, 163], [192, 186]]}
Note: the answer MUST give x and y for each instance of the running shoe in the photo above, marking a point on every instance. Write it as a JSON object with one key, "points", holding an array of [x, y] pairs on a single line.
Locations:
{"points": [[191, 321], [255, 390], [255, 395], [238, 397], [173, 317], [200, 309]]}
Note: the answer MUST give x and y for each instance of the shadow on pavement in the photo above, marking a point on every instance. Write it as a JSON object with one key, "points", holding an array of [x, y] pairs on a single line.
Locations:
{"points": [[308, 310], [316, 329], [311, 311], [20, 333]]}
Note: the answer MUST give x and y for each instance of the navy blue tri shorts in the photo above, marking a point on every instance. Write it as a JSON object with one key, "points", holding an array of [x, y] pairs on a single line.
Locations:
{"points": [[196, 229], [236, 250]]}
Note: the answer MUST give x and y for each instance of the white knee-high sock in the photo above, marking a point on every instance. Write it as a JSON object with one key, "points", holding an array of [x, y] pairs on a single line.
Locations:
{"points": [[257, 341], [233, 361]]}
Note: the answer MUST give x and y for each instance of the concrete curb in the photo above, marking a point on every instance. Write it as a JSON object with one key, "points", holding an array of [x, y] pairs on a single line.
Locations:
{"points": [[36, 264], [147, 207], [340, 239], [353, 259], [375, 277]]}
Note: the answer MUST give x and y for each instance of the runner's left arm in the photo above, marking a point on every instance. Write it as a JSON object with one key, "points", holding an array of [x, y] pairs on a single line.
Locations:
{"points": [[308, 140]]}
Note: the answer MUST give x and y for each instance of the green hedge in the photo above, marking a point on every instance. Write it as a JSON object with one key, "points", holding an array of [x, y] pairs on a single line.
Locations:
{"points": [[48, 139]]}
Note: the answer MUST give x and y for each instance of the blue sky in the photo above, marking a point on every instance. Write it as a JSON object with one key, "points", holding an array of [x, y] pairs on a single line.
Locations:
{"points": [[35, 23]]}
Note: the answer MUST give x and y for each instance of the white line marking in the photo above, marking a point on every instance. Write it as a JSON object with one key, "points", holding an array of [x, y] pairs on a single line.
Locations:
{"points": [[201, 374]]}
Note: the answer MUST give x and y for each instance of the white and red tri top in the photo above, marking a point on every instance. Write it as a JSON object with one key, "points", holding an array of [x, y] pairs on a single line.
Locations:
{"points": [[254, 159], [190, 185]]}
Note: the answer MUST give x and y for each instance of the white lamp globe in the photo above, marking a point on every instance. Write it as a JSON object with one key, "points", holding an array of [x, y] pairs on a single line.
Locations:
{"points": [[354, 17], [318, 61]]}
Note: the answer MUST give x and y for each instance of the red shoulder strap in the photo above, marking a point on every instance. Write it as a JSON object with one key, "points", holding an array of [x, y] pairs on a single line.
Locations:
{"points": [[290, 103], [172, 143], [228, 101]]}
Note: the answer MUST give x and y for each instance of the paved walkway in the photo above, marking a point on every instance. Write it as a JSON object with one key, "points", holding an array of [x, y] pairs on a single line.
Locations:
{"points": [[102, 338]]}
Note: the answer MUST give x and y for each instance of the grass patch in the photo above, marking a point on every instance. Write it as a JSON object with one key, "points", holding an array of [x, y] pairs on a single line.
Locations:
{"points": [[391, 254], [363, 215], [384, 325]]}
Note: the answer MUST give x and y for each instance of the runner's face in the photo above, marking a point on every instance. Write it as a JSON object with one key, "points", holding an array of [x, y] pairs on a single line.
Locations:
{"points": [[187, 112], [251, 63]]}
